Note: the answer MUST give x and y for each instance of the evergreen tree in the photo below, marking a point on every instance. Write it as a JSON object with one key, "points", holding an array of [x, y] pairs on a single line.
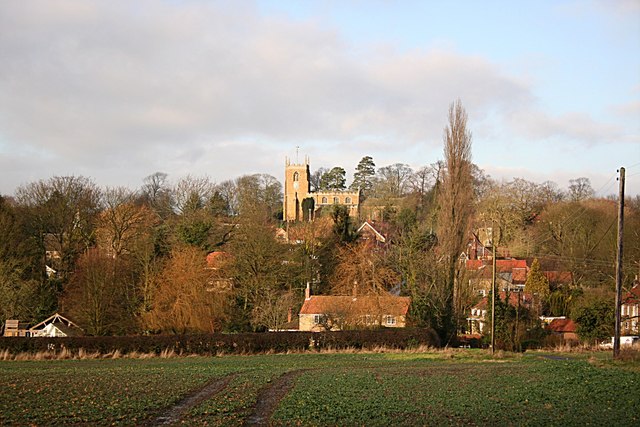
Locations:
{"points": [[538, 285], [363, 177], [334, 179]]}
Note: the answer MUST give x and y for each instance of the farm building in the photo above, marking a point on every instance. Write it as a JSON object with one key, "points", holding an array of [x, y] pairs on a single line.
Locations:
{"points": [[16, 328], [56, 326]]}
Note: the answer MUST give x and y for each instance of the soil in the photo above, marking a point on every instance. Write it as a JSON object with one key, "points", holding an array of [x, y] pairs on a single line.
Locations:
{"points": [[174, 414], [269, 398]]}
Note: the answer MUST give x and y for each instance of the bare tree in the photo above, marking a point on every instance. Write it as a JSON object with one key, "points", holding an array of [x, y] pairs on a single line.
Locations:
{"points": [[456, 206], [122, 222], [580, 189], [363, 270], [192, 193], [393, 180]]}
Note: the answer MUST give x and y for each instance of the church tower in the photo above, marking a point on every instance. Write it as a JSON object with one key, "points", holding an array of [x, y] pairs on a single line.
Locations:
{"points": [[297, 187]]}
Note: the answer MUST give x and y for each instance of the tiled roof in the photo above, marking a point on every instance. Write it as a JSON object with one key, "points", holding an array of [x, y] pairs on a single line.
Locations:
{"points": [[519, 275], [525, 300], [502, 265], [633, 296], [319, 304], [560, 277], [562, 325]]}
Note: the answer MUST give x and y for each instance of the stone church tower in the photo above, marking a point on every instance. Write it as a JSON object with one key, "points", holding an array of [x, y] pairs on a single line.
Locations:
{"points": [[297, 187]]}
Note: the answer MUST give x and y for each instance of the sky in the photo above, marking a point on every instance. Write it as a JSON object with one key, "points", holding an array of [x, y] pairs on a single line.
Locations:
{"points": [[119, 90]]}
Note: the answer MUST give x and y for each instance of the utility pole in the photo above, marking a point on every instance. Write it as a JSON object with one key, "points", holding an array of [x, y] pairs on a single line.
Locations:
{"points": [[493, 291], [616, 336]]}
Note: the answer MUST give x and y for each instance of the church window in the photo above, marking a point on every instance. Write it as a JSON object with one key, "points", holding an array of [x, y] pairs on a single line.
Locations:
{"points": [[325, 200], [347, 200], [336, 200], [296, 176]]}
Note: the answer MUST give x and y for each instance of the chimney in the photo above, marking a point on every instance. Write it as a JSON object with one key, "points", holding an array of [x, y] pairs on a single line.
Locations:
{"points": [[307, 292]]}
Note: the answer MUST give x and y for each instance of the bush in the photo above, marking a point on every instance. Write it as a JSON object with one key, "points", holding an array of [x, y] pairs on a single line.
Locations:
{"points": [[212, 344]]}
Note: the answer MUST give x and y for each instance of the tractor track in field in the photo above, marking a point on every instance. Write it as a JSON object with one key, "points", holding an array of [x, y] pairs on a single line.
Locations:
{"points": [[175, 413], [270, 396]]}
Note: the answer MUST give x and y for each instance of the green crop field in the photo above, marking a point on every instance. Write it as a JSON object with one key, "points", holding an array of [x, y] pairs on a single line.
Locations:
{"points": [[379, 389]]}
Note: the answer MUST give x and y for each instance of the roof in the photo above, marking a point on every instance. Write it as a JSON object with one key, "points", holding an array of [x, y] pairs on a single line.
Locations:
{"points": [[56, 318], [633, 296], [559, 277], [388, 304], [524, 297], [367, 226], [502, 265], [562, 325]]}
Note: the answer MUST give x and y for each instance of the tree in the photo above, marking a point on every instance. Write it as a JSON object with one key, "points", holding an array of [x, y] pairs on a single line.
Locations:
{"points": [[364, 175], [62, 211], [315, 179], [157, 194], [363, 270], [393, 180], [191, 194], [272, 309], [342, 227], [456, 206], [97, 296], [259, 192], [538, 285], [122, 221], [258, 265], [335, 179], [594, 315], [185, 300], [580, 189]]}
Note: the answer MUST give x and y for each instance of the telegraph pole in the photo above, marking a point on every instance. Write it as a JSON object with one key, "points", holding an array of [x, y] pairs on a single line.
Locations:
{"points": [[493, 291], [616, 336]]}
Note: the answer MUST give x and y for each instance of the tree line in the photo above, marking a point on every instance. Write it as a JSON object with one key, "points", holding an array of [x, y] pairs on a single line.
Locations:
{"points": [[193, 255]]}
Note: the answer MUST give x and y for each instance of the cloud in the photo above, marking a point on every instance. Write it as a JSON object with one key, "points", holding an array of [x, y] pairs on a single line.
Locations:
{"points": [[118, 90]]}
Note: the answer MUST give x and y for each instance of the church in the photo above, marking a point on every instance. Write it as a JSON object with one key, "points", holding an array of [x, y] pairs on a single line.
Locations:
{"points": [[297, 188]]}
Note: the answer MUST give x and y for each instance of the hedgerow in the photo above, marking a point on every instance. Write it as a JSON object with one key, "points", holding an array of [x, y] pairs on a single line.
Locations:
{"points": [[213, 344]]}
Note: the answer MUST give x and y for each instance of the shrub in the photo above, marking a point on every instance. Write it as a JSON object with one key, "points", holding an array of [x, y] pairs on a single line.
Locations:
{"points": [[213, 344]]}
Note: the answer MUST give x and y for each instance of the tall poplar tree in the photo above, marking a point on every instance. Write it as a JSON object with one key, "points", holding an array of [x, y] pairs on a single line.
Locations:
{"points": [[456, 206]]}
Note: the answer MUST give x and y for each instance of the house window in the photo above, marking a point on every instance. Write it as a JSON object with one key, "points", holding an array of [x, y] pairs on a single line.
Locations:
{"points": [[325, 200], [318, 319], [390, 320], [347, 200], [296, 177], [336, 200]]}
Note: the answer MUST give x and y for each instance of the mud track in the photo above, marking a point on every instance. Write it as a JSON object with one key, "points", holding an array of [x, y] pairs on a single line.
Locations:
{"points": [[269, 398], [174, 414]]}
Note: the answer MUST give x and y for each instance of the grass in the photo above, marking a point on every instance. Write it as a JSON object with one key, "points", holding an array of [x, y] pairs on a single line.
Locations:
{"points": [[459, 387]]}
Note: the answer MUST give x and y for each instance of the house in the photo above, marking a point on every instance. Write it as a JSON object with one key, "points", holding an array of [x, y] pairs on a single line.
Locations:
{"points": [[339, 312], [476, 319], [368, 232], [510, 274], [216, 263], [563, 327], [630, 310], [56, 326]]}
